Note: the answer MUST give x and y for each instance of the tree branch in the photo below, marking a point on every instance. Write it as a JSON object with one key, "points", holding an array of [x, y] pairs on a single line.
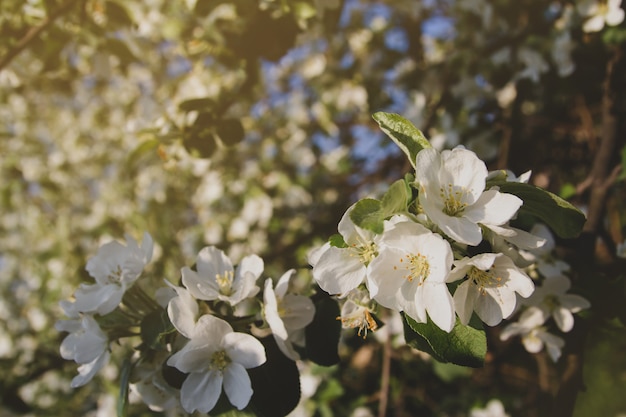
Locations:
{"points": [[34, 32], [600, 181]]}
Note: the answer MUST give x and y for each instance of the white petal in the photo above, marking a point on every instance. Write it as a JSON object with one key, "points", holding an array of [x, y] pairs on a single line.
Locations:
{"points": [[211, 262], [96, 298], [427, 166], [251, 264], [270, 311], [299, 311], [594, 24], [463, 169], [315, 254], [200, 391], [518, 237], [574, 303], [493, 207], [244, 349], [237, 385], [283, 283], [87, 371], [201, 287], [563, 318], [439, 305], [183, 311], [338, 271], [488, 309], [614, 17], [532, 343], [464, 299]]}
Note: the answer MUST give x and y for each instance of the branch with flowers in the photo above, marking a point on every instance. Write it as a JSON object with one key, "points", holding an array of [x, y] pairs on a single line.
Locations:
{"points": [[451, 247]]}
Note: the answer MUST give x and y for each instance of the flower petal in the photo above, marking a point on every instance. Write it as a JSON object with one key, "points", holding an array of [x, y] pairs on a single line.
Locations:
{"points": [[237, 385], [201, 390], [493, 207], [439, 305], [244, 349], [337, 272]]}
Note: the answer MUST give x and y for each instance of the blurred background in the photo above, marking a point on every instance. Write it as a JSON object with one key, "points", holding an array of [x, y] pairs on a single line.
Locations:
{"points": [[246, 124]]}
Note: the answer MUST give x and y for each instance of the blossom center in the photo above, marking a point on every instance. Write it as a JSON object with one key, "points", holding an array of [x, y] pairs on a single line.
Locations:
{"points": [[453, 204], [220, 360], [225, 282], [362, 319], [115, 276], [365, 251], [483, 279], [418, 267], [551, 301]]}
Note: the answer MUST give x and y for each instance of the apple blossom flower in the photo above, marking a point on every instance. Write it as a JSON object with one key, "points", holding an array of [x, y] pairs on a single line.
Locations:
{"points": [[339, 270], [600, 13], [217, 279], [148, 382], [216, 356], [286, 314], [410, 272], [551, 297], [115, 267], [534, 335], [492, 281], [452, 194], [546, 263], [86, 345], [356, 312]]}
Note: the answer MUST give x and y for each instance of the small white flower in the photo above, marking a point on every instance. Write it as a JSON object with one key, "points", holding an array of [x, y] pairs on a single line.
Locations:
{"points": [[410, 272], [217, 279], [494, 408], [356, 312], [492, 281], [86, 345], [534, 335], [452, 194], [339, 270], [115, 268], [216, 356], [551, 297], [599, 14], [286, 314]]}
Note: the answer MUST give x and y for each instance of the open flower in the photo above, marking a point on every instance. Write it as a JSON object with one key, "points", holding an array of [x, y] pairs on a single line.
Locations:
{"points": [[86, 345], [115, 268], [551, 297], [217, 279], [339, 270], [286, 314], [599, 14], [534, 335], [216, 356], [452, 194], [492, 281], [410, 272]]}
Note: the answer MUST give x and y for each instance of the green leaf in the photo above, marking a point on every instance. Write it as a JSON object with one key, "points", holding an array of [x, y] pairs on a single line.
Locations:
{"points": [[464, 345], [337, 241], [409, 138], [561, 216], [396, 198], [368, 214], [154, 327], [322, 335], [122, 400], [197, 104], [230, 131], [276, 383], [142, 149]]}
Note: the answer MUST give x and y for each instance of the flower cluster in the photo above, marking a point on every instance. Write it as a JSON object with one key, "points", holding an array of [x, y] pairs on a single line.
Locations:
{"points": [[203, 334], [430, 245], [551, 299]]}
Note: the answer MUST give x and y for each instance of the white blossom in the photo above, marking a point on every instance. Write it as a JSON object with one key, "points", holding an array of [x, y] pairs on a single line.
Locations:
{"points": [[216, 356], [410, 272], [490, 288], [534, 335], [452, 194], [286, 314], [217, 279], [115, 268], [599, 13]]}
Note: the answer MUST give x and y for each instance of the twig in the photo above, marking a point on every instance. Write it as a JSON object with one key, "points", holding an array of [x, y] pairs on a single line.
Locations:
{"points": [[34, 32]]}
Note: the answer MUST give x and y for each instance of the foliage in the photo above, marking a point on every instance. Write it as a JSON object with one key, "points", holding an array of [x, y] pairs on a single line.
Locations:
{"points": [[247, 125]]}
